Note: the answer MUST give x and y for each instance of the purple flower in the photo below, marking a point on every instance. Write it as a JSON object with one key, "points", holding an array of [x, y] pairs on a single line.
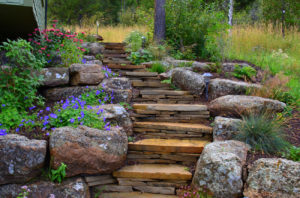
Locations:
{"points": [[53, 129], [17, 129], [87, 87], [3, 132], [72, 120], [97, 92], [31, 108], [106, 75], [3, 105], [48, 109], [53, 115], [47, 134], [21, 125], [58, 110], [45, 123]]}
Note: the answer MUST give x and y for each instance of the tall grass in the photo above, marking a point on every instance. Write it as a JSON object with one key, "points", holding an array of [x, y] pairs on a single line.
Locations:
{"points": [[110, 33], [264, 46]]}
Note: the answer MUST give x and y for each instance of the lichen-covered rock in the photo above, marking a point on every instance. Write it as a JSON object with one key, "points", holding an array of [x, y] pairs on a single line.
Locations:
{"points": [[237, 105], [222, 87], [55, 76], [120, 88], [94, 48], [71, 188], [220, 168], [86, 74], [225, 128], [273, 178], [60, 93], [21, 159], [88, 151], [188, 80], [116, 114]]}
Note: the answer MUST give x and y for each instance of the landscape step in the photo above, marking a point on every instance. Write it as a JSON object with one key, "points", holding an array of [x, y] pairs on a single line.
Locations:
{"points": [[168, 145], [174, 126], [170, 107], [154, 171], [142, 74], [164, 92], [135, 195], [125, 67]]}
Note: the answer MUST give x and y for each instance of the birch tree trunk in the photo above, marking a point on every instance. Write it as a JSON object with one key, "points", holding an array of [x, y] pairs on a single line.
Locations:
{"points": [[160, 21], [230, 12]]}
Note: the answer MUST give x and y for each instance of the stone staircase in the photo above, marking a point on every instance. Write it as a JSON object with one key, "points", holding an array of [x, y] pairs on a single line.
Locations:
{"points": [[170, 131]]}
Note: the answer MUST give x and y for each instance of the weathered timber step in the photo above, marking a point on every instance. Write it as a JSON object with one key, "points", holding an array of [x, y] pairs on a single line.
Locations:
{"points": [[114, 61], [151, 126], [142, 74], [114, 46], [148, 83], [106, 51], [170, 107], [164, 92], [115, 55], [168, 145], [154, 171], [125, 67], [135, 195]]}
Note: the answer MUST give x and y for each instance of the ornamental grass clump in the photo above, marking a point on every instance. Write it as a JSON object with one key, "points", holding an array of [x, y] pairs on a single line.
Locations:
{"points": [[262, 133]]}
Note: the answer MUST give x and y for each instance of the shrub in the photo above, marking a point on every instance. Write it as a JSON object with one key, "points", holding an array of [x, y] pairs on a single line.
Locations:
{"points": [[158, 51], [246, 72], [262, 133], [19, 81], [157, 67], [195, 23], [293, 153], [135, 41], [140, 57], [70, 53]]}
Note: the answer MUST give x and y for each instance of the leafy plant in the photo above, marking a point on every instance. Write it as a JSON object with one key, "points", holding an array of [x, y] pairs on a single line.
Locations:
{"points": [[140, 57], [135, 41], [169, 81], [246, 72], [158, 51], [130, 139], [25, 192], [126, 105], [20, 80], [293, 153], [70, 53], [157, 67], [185, 64], [262, 133], [190, 192], [58, 174]]}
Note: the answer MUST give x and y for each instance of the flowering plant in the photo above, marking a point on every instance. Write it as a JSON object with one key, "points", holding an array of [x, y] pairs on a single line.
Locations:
{"points": [[52, 43]]}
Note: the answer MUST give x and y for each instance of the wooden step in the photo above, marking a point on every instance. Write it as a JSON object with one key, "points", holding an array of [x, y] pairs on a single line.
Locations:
{"points": [[114, 52], [171, 107], [168, 145], [125, 67], [142, 74], [154, 171], [148, 83], [135, 195], [115, 55], [108, 61], [174, 126], [164, 92]]}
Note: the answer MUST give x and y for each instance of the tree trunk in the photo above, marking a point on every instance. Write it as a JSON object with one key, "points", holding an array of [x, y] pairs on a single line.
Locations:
{"points": [[160, 21], [230, 12]]}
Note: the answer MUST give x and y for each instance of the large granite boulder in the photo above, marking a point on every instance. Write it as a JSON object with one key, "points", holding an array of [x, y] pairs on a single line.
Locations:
{"points": [[188, 80], [116, 115], [86, 74], [120, 88], [21, 159], [88, 151], [237, 105], [94, 48], [71, 188], [225, 128], [60, 93], [55, 76], [220, 168], [273, 178], [222, 87]]}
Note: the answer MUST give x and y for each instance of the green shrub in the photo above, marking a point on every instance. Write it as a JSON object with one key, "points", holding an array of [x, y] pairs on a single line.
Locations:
{"points": [[140, 57], [70, 53], [293, 153], [157, 67], [187, 54], [58, 174], [134, 41], [158, 51], [246, 72], [262, 133], [169, 81], [19, 82]]}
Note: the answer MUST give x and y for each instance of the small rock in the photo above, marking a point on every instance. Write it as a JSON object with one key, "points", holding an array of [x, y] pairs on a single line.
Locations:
{"points": [[119, 88], [88, 151], [60, 93], [55, 76], [237, 105], [188, 80], [71, 188], [94, 48], [273, 178], [221, 87], [21, 159], [219, 168], [86, 74], [225, 128]]}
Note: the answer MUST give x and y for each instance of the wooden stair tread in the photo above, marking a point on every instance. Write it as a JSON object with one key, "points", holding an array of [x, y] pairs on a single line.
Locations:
{"points": [[175, 126], [154, 171], [170, 107], [135, 195], [164, 92], [119, 66], [168, 145], [142, 74]]}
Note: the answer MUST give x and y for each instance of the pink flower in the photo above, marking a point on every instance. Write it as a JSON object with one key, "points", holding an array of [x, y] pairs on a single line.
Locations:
{"points": [[62, 45], [29, 34], [54, 25], [30, 40], [82, 32], [48, 55], [38, 43], [43, 48], [55, 21], [83, 50]]}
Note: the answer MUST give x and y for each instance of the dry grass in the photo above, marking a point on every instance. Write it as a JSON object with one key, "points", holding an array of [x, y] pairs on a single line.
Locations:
{"points": [[110, 33]]}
